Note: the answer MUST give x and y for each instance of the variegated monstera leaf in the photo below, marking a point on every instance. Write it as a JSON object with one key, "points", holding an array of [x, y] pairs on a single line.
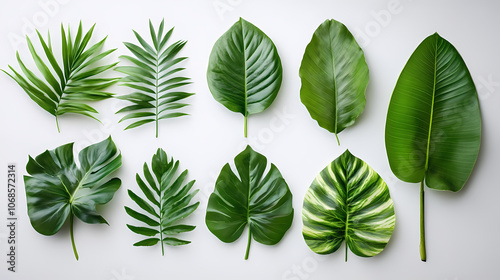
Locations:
{"points": [[348, 201]]}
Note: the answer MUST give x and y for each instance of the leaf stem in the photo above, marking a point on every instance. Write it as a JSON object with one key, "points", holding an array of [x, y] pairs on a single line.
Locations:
{"points": [[72, 236], [346, 246], [338, 141], [248, 244], [423, 255], [245, 131], [57, 123]]}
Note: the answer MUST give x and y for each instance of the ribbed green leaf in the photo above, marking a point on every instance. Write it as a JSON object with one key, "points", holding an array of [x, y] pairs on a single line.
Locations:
{"points": [[75, 81], [58, 189], [170, 201], [433, 128], [264, 202], [348, 201], [152, 77], [334, 77], [244, 70]]}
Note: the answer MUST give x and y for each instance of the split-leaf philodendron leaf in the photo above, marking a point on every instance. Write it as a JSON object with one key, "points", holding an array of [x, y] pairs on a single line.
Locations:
{"points": [[58, 188], [244, 70], [348, 201], [155, 79], [168, 202], [263, 201], [334, 77], [71, 82], [433, 128]]}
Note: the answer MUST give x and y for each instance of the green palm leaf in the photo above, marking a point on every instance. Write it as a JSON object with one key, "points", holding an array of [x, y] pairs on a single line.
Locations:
{"points": [[348, 201], [433, 128], [154, 79], [167, 201], [65, 88]]}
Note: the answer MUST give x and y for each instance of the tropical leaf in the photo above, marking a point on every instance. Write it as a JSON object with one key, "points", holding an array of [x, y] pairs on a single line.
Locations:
{"points": [[433, 128], [244, 70], [66, 88], [334, 77], [154, 77], [262, 202], [348, 201], [167, 201], [59, 189]]}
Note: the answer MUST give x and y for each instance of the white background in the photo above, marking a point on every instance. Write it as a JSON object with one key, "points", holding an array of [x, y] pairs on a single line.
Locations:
{"points": [[462, 228]]}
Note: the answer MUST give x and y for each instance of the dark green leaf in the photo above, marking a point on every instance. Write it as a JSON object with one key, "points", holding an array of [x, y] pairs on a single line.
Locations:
{"points": [[57, 188], [433, 128], [244, 70], [264, 202]]}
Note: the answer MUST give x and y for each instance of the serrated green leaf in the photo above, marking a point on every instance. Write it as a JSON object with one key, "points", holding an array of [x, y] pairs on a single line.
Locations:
{"points": [[169, 197], [80, 64], [148, 76]]}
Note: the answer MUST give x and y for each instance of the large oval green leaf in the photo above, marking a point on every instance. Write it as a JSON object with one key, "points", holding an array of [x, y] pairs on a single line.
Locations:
{"points": [[244, 70], [334, 77], [433, 128], [348, 201], [264, 202], [58, 189]]}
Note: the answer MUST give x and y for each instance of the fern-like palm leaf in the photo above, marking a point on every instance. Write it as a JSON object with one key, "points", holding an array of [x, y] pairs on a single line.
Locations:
{"points": [[65, 88], [168, 200], [154, 77]]}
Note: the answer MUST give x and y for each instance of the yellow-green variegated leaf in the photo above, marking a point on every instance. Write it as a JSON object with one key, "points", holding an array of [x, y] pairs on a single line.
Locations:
{"points": [[348, 201]]}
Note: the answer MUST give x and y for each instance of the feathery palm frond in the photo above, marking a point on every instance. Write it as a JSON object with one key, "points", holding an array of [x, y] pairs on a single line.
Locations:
{"points": [[168, 202], [65, 88], [154, 79]]}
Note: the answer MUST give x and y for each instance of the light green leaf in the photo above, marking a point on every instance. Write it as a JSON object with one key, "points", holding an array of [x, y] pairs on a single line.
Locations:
{"points": [[75, 82], [348, 201], [149, 75], [433, 128], [244, 70], [334, 77]]}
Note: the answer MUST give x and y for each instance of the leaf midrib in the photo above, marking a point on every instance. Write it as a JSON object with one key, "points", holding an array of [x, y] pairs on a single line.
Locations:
{"points": [[432, 109], [245, 67], [335, 91]]}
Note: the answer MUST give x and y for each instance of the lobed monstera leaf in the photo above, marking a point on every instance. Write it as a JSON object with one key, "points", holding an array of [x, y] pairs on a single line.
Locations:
{"points": [[263, 201], [168, 202], [59, 189], [155, 79], [334, 77], [433, 128], [244, 70], [69, 85], [348, 201]]}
